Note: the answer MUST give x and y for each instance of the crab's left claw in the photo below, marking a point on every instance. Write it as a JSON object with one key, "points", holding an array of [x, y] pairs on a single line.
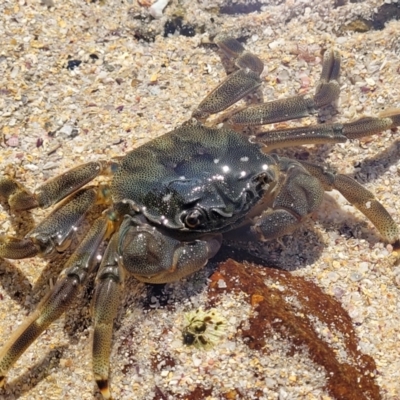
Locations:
{"points": [[153, 257]]}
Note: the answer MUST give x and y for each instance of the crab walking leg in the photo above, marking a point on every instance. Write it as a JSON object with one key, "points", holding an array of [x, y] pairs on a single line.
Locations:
{"points": [[54, 232], [59, 298], [233, 50], [326, 92], [359, 197], [109, 283], [237, 85], [329, 133], [316, 134], [54, 189]]}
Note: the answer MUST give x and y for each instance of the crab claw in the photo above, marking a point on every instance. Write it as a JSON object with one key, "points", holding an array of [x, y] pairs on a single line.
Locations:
{"points": [[153, 257]]}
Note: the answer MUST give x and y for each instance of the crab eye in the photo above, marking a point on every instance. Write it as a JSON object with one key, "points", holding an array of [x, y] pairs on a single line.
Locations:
{"points": [[263, 180], [193, 219]]}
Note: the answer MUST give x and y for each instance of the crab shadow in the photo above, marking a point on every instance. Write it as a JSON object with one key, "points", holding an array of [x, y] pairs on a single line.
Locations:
{"points": [[21, 221], [16, 283], [33, 376], [366, 170], [379, 163]]}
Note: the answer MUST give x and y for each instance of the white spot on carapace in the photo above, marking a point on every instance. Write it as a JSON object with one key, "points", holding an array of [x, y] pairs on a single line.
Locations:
{"points": [[216, 178], [167, 197], [216, 160], [99, 257], [243, 174], [197, 189], [368, 204], [244, 159], [225, 169], [264, 167], [182, 177]]}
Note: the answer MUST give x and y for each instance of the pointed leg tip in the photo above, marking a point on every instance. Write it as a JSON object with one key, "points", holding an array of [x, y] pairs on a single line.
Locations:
{"points": [[2, 381], [331, 66], [200, 115], [104, 388], [396, 246]]}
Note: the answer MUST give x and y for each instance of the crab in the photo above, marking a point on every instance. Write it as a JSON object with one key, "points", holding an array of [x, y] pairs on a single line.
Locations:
{"points": [[170, 201]]}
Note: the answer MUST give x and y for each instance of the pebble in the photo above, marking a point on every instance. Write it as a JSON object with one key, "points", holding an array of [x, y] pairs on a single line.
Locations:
{"points": [[66, 129], [13, 141], [50, 165], [31, 167], [72, 64]]}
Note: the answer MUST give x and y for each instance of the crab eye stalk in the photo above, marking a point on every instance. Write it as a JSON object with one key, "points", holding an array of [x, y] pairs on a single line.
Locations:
{"points": [[264, 178], [193, 219]]}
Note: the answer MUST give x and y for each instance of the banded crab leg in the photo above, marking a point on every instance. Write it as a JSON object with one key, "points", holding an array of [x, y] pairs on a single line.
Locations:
{"points": [[54, 232], [109, 285], [148, 255], [77, 268], [237, 85], [329, 133], [326, 93], [246, 80], [359, 197]]}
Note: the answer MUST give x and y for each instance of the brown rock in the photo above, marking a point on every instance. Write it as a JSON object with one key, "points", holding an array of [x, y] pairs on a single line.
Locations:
{"points": [[284, 307]]}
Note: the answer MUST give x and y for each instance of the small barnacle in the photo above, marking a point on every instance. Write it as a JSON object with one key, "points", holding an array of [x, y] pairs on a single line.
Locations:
{"points": [[203, 329]]}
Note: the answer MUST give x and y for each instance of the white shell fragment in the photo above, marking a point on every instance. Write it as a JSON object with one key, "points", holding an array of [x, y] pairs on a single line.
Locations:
{"points": [[157, 8]]}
